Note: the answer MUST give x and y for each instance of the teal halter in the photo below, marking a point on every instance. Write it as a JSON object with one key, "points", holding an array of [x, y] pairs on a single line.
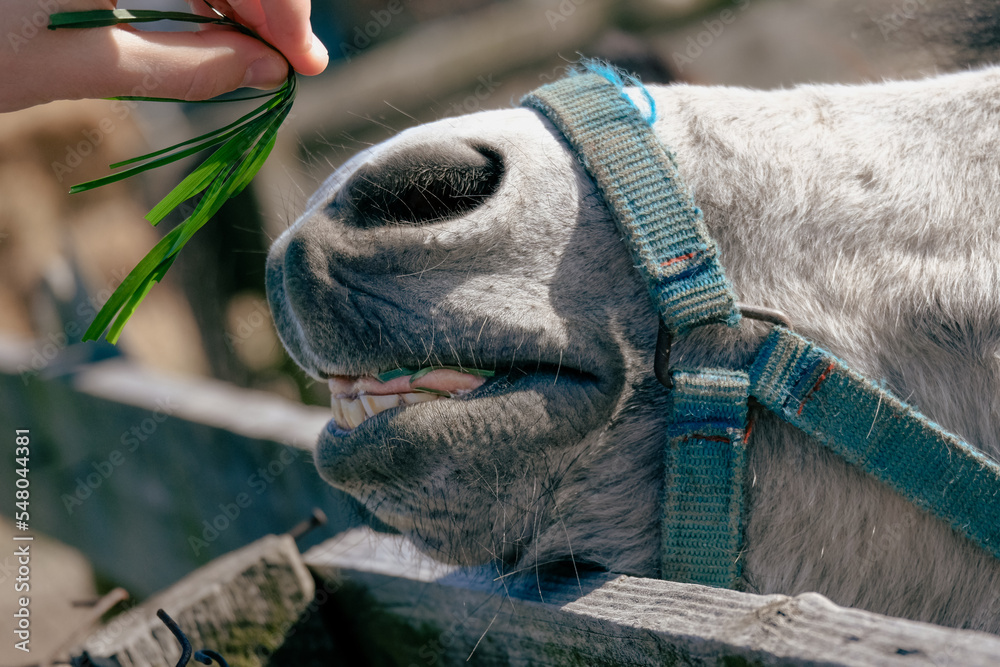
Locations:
{"points": [[705, 454]]}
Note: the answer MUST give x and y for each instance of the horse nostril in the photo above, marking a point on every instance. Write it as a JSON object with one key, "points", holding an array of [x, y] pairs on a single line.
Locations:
{"points": [[420, 185]]}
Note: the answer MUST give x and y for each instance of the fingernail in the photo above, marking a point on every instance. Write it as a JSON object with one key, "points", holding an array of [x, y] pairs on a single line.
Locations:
{"points": [[267, 72], [318, 45]]}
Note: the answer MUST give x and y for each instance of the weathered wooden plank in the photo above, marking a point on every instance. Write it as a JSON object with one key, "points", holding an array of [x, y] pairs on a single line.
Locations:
{"points": [[414, 612], [152, 476], [246, 412], [241, 605]]}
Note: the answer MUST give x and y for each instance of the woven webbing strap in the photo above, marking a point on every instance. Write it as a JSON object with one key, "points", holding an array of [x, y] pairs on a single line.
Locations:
{"points": [[639, 181], [705, 461], [870, 428]]}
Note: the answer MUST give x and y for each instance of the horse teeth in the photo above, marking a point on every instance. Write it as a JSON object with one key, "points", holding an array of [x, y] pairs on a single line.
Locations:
{"points": [[419, 397], [348, 413], [338, 412], [384, 402], [376, 404], [368, 404], [354, 412]]}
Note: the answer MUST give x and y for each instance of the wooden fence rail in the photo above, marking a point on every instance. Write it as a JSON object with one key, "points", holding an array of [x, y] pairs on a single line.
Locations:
{"points": [[380, 603]]}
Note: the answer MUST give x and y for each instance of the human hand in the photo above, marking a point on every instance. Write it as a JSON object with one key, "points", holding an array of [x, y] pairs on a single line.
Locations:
{"points": [[38, 65]]}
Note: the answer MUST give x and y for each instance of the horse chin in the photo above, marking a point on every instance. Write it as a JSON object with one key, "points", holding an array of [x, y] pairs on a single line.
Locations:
{"points": [[470, 480]]}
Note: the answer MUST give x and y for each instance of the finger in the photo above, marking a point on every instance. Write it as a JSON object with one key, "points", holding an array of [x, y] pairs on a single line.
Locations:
{"points": [[250, 13], [211, 8], [110, 62], [288, 28], [288, 24], [203, 64]]}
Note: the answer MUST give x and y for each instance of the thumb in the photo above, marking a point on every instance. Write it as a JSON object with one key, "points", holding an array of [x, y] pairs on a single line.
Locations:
{"points": [[183, 65]]}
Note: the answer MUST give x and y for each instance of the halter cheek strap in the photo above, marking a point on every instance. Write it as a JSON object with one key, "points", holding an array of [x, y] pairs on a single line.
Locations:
{"points": [[705, 469], [705, 459]]}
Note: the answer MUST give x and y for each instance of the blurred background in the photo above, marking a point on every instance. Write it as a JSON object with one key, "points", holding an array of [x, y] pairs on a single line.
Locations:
{"points": [[141, 452]]}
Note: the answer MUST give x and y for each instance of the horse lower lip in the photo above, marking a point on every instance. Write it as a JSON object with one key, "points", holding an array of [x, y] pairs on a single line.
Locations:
{"points": [[349, 413]]}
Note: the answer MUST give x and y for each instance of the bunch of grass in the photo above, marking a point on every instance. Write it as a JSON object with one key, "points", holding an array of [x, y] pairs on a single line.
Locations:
{"points": [[242, 148]]}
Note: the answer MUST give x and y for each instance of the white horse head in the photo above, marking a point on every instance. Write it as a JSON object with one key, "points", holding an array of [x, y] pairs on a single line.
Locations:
{"points": [[867, 214]]}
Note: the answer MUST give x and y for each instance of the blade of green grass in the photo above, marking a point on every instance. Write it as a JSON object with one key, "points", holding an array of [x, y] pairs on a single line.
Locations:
{"points": [[139, 98], [260, 152], [393, 374], [126, 312], [133, 281], [122, 175], [436, 392], [471, 371], [100, 18], [208, 170], [159, 162], [121, 306], [193, 184], [123, 302], [422, 372], [218, 192], [263, 108]]}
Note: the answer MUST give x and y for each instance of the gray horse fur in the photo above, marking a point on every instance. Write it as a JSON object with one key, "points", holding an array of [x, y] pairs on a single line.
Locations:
{"points": [[869, 214]]}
